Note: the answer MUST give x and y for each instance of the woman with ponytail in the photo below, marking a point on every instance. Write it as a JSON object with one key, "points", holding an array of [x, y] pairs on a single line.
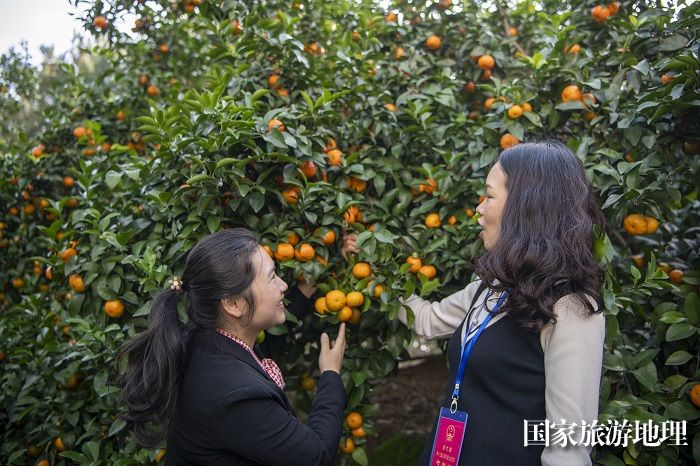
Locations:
{"points": [[205, 384], [526, 337]]}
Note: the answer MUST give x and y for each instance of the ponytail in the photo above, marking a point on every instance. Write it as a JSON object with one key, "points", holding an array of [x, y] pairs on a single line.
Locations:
{"points": [[154, 363]]}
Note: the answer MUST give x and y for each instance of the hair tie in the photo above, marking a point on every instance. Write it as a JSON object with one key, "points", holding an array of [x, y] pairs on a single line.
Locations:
{"points": [[176, 284]]}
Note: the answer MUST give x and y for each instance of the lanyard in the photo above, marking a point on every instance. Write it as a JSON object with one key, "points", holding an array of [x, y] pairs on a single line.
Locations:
{"points": [[467, 349]]}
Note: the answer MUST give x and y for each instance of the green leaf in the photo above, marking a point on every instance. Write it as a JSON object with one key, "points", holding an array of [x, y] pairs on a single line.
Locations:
{"points": [[198, 178], [679, 331], [672, 317], [359, 456], [678, 358], [646, 375], [112, 179]]}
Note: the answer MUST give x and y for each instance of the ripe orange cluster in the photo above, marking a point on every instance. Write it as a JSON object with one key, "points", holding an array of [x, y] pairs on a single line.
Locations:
{"points": [[417, 267], [601, 13]]}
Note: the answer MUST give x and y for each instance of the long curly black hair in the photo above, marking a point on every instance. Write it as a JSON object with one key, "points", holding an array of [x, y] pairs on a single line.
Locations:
{"points": [[545, 247]]}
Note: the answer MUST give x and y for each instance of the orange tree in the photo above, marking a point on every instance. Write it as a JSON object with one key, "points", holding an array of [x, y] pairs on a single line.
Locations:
{"points": [[303, 122]]}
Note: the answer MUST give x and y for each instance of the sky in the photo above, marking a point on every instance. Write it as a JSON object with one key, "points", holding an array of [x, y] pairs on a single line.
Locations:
{"points": [[39, 22]]}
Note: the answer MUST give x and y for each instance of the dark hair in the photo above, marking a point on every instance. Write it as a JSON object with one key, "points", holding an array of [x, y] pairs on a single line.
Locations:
{"points": [[217, 267], [545, 247]]}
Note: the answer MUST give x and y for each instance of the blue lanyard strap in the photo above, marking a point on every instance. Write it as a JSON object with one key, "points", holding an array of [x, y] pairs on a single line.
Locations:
{"points": [[467, 349]]}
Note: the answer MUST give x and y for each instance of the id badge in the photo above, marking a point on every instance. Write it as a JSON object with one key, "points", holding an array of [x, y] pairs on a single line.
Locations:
{"points": [[449, 436]]}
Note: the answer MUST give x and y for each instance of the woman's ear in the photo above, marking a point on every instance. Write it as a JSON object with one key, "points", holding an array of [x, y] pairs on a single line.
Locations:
{"points": [[234, 307]]}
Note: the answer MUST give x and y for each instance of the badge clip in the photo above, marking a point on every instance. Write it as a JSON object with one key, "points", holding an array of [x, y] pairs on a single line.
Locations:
{"points": [[453, 405]]}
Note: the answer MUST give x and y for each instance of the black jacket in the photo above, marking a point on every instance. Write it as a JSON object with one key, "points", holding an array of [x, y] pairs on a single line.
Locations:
{"points": [[229, 412]]}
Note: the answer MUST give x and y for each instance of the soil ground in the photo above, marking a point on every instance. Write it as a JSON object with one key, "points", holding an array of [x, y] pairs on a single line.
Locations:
{"points": [[408, 400]]}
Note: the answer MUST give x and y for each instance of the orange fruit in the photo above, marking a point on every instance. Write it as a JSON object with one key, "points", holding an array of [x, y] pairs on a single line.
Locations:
{"points": [[29, 209], [277, 124], [571, 93], [79, 132], [391, 18], [676, 276], [695, 395], [352, 215], [354, 420], [160, 455], [355, 317], [330, 144], [635, 224], [43, 462], [416, 263], [515, 112], [600, 13], [486, 62], [308, 384], [638, 260], [664, 266], [68, 181], [357, 184], [18, 283], [67, 253], [399, 52], [429, 271], [378, 290], [285, 251], [512, 31], [291, 195], [32, 451], [347, 447], [293, 238], [320, 305], [236, 27], [335, 300], [114, 308], [508, 140], [308, 168], [164, 48], [329, 237], [589, 116], [359, 432], [588, 99], [49, 273], [486, 75], [100, 22], [574, 49], [305, 252], [273, 79], [390, 107], [152, 90], [268, 250], [452, 220], [344, 314], [335, 157], [432, 220], [613, 7], [354, 299], [433, 42], [76, 283], [58, 443], [430, 187], [143, 80], [38, 151], [666, 78], [470, 87], [361, 270], [652, 225], [526, 107]]}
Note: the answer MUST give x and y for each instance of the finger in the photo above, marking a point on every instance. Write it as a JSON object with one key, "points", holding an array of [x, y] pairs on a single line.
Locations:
{"points": [[340, 341], [325, 343]]}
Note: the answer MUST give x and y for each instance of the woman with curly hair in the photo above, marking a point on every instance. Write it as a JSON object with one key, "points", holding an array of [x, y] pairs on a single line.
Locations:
{"points": [[526, 338]]}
